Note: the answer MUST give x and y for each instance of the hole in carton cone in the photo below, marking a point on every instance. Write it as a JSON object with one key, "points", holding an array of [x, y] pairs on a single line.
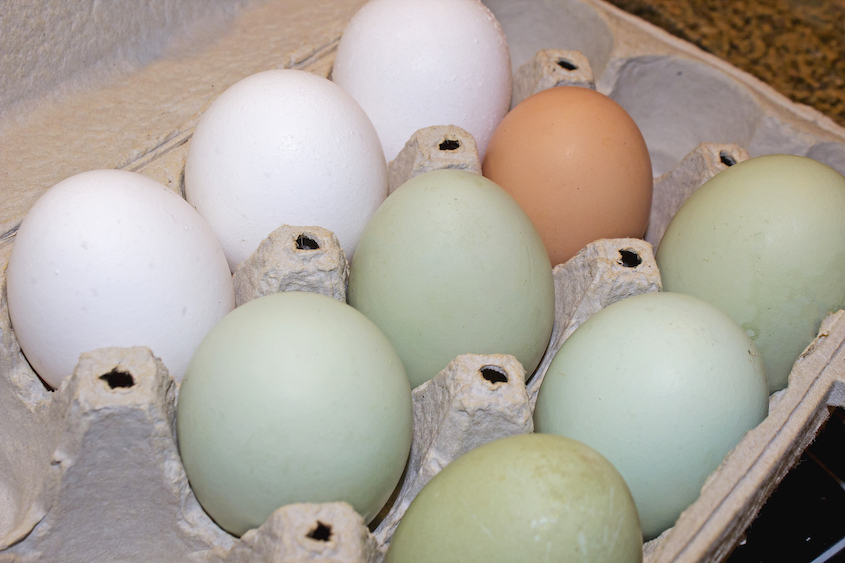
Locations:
{"points": [[323, 532], [726, 158], [630, 259], [116, 378], [563, 63], [304, 242], [494, 374], [450, 145]]}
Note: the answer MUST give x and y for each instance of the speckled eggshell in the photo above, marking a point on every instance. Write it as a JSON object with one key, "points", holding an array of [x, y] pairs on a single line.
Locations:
{"points": [[284, 147], [764, 241], [532, 497], [112, 258], [663, 385], [417, 63], [451, 265], [293, 397], [579, 166]]}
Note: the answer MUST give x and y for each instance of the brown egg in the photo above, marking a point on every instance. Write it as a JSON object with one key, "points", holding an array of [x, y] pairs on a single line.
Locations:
{"points": [[577, 164]]}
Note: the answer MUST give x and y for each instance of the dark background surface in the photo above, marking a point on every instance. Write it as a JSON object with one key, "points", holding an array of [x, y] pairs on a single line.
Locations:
{"points": [[804, 520], [797, 47]]}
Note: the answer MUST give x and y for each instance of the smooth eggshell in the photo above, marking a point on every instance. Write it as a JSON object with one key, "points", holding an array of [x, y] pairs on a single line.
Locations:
{"points": [[451, 265], [533, 497], [284, 147], [663, 385], [293, 397], [764, 241], [417, 63], [112, 258], [579, 166]]}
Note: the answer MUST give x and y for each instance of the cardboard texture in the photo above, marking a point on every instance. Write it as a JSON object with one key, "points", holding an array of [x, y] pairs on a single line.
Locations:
{"points": [[604, 272], [433, 148], [322, 533], [93, 467], [550, 68], [476, 399], [294, 259], [673, 188], [114, 481]]}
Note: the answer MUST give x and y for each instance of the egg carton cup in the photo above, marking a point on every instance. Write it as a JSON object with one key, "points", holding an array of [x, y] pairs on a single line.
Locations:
{"points": [[92, 469]]}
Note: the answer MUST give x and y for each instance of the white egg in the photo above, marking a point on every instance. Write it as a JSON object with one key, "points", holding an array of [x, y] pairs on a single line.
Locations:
{"points": [[417, 63], [112, 258], [284, 147]]}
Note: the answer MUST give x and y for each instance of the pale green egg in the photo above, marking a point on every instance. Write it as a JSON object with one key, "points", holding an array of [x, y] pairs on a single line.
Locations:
{"points": [[764, 241], [533, 497], [663, 385], [293, 397], [449, 265]]}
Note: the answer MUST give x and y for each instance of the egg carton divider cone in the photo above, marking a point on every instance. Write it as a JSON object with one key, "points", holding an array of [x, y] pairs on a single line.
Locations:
{"points": [[107, 125], [294, 259]]}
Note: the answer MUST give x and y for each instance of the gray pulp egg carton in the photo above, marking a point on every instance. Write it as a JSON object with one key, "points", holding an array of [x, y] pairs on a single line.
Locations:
{"points": [[91, 471]]}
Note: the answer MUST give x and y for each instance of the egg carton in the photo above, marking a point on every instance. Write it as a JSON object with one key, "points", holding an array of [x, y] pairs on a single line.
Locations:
{"points": [[107, 476], [92, 470]]}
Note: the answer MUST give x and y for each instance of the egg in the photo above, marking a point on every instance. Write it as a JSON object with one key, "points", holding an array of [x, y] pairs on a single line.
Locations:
{"points": [[663, 385], [417, 63], [579, 166], [112, 258], [293, 397], [451, 265], [531, 497], [764, 240], [284, 147]]}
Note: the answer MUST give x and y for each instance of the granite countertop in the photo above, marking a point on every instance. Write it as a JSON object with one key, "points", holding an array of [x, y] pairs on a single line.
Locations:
{"points": [[796, 46]]}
